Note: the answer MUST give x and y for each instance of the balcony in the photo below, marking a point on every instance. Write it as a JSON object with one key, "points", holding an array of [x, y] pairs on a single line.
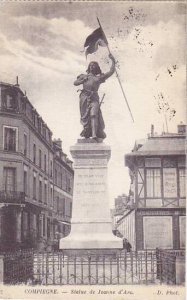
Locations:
{"points": [[11, 109], [12, 197]]}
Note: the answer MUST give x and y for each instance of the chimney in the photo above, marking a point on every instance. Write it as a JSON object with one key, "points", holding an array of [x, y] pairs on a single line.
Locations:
{"points": [[58, 143], [181, 128], [17, 82], [152, 130]]}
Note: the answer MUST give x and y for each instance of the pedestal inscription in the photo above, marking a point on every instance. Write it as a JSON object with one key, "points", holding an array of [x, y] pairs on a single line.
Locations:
{"points": [[91, 221]]}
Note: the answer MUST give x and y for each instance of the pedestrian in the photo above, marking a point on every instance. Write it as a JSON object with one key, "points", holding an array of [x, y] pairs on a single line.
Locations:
{"points": [[126, 245]]}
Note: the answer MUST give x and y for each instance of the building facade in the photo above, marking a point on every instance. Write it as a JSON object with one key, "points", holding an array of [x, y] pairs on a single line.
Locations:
{"points": [[157, 171], [63, 190], [28, 214], [120, 206]]}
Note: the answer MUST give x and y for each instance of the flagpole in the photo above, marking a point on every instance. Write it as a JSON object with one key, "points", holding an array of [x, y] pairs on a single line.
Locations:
{"points": [[117, 75]]}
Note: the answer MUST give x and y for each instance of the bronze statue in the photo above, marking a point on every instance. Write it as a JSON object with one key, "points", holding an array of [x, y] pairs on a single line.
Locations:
{"points": [[90, 111]]}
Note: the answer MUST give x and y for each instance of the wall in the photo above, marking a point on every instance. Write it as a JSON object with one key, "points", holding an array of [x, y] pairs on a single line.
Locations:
{"points": [[160, 228], [127, 227]]}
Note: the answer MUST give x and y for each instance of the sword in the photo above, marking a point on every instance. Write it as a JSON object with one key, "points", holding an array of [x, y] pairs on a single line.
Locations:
{"points": [[101, 100]]}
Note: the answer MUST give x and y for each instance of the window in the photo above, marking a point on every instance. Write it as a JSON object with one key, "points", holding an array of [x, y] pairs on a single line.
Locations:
{"points": [[33, 116], [44, 225], [51, 167], [45, 163], [170, 182], [63, 207], [40, 226], [182, 182], [61, 179], [153, 183], [57, 203], [10, 138], [23, 103], [51, 196], [48, 228], [44, 132], [9, 98], [34, 187], [9, 102], [40, 190], [45, 193], [25, 224], [25, 145], [39, 124], [40, 158], [9, 176], [34, 153], [34, 226], [50, 137], [25, 182], [55, 176], [68, 186]]}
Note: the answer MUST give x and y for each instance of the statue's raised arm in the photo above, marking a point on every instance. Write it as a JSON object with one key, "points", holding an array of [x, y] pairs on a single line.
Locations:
{"points": [[112, 69]]}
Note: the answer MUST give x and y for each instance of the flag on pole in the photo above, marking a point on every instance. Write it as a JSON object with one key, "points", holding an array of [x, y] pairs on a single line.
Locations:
{"points": [[95, 39]]}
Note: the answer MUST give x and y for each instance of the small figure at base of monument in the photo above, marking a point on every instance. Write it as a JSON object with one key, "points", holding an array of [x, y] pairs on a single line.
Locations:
{"points": [[90, 111]]}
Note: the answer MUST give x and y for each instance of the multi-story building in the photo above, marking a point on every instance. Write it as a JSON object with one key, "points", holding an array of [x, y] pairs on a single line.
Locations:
{"points": [[120, 206], [28, 214], [157, 171], [63, 190]]}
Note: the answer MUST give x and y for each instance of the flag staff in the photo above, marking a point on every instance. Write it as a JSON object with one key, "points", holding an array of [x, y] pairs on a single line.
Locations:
{"points": [[117, 75]]}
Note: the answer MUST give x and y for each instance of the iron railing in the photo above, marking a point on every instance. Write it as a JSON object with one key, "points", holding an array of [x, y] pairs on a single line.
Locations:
{"points": [[12, 109], [12, 197], [18, 267], [56, 268], [166, 265]]}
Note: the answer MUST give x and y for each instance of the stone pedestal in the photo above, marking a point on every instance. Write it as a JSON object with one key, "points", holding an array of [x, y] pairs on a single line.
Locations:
{"points": [[91, 226]]}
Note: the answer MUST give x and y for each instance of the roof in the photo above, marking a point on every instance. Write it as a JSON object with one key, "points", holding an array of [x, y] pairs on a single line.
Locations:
{"points": [[161, 145]]}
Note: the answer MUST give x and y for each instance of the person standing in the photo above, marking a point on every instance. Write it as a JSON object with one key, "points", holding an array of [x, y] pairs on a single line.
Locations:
{"points": [[126, 245]]}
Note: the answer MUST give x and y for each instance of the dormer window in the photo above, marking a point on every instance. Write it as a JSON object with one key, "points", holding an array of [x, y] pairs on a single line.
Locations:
{"points": [[9, 102], [33, 116], [23, 104], [9, 99], [44, 132], [39, 125]]}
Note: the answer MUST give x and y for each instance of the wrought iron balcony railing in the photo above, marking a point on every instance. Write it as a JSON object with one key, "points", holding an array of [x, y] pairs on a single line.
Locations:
{"points": [[12, 197], [12, 109]]}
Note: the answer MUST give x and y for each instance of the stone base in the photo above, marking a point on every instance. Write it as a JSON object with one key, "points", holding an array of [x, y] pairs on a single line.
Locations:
{"points": [[91, 242], [92, 252], [91, 224]]}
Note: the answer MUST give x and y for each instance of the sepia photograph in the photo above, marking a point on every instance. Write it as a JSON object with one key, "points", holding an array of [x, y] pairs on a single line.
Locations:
{"points": [[92, 150]]}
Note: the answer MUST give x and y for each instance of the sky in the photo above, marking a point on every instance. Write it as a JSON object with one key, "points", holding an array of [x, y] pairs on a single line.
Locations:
{"points": [[43, 44]]}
